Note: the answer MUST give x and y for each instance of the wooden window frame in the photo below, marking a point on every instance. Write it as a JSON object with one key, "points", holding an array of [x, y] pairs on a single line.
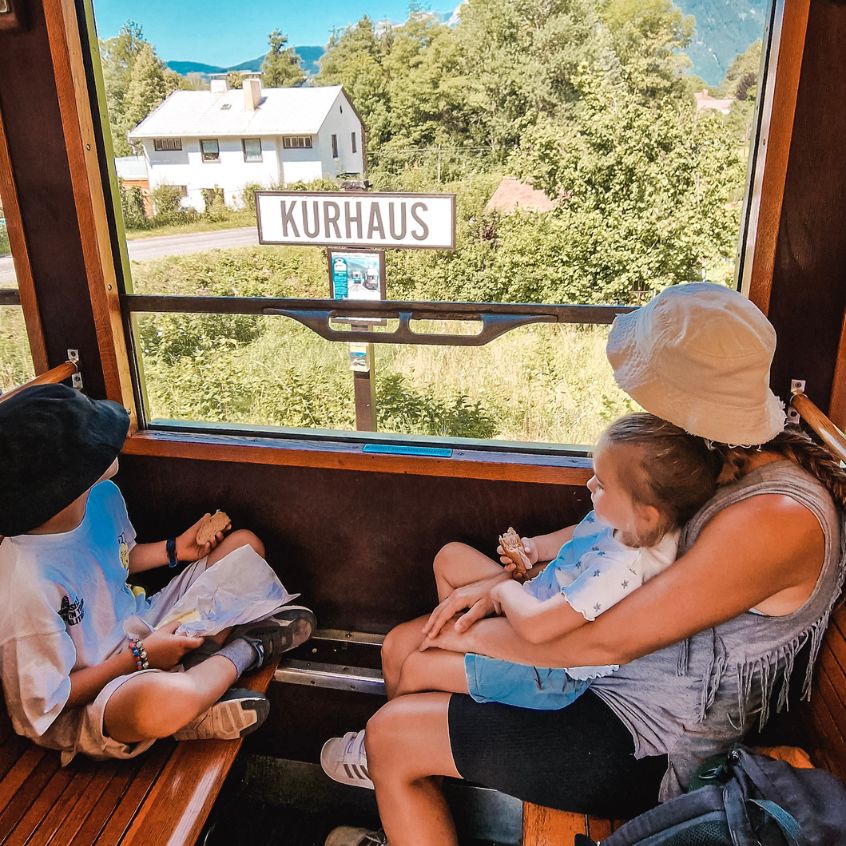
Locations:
{"points": [[20, 258], [334, 146], [297, 142], [77, 119], [354, 144]]}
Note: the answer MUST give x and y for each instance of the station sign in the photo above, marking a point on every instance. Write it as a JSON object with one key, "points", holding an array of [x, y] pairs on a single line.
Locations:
{"points": [[356, 219]]}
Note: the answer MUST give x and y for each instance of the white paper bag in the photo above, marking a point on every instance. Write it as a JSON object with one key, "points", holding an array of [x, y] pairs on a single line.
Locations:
{"points": [[240, 588]]}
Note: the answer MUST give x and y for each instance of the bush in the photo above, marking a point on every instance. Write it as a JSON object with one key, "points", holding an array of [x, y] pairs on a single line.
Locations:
{"points": [[167, 206], [248, 195], [132, 206], [5, 249]]}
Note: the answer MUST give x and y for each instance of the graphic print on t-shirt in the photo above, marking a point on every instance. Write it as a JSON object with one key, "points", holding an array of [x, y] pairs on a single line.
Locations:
{"points": [[72, 612]]}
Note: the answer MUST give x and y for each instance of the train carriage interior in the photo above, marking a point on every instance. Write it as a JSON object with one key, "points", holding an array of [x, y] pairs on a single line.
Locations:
{"points": [[353, 499]]}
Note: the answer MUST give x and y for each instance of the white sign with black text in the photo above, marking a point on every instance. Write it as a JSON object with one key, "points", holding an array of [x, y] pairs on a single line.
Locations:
{"points": [[356, 219]]}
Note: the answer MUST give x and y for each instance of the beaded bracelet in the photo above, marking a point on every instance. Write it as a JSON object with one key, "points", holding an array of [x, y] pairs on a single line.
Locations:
{"points": [[136, 647]]}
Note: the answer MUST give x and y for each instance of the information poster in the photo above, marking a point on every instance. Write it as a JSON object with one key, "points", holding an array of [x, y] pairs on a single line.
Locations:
{"points": [[357, 275]]}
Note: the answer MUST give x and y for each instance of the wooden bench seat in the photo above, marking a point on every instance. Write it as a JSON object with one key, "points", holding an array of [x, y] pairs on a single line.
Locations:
{"points": [[161, 798]]}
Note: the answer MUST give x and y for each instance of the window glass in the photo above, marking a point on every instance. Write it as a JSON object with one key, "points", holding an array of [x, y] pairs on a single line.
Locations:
{"points": [[165, 144], [252, 150], [210, 149], [597, 153], [15, 358]]}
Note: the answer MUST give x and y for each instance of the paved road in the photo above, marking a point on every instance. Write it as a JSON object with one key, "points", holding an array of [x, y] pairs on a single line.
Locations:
{"points": [[144, 249]]}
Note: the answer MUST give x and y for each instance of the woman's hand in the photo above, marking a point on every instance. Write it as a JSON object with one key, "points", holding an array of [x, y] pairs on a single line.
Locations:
{"points": [[475, 597], [187, 548], [165, 649]]}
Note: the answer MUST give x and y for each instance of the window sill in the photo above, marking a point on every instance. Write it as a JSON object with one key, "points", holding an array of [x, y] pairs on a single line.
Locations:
{"points": [[343, 455]]}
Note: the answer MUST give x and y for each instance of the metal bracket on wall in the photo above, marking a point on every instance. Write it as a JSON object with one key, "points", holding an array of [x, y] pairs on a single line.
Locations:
{"points": [[797, 386], [76, 378]]}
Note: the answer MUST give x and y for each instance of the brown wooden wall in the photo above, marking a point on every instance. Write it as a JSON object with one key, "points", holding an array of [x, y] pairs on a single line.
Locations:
{"points": [[809, 280]]}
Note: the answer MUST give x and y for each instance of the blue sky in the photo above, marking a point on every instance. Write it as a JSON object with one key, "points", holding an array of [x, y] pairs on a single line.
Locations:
{"points": [[220, 32]]}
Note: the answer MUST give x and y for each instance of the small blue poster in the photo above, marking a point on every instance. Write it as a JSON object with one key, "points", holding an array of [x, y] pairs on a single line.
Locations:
{"points": [[357, 275]]}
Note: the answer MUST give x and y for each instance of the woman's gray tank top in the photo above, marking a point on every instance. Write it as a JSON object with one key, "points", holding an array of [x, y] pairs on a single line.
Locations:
{"points": [[695, 698]]}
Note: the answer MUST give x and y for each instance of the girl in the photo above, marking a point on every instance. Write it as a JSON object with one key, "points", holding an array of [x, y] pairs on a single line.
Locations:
{"points": [[649, 478]]}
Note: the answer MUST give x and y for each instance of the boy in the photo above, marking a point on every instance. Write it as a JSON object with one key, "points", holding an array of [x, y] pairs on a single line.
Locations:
{"points": [[72, 678]]}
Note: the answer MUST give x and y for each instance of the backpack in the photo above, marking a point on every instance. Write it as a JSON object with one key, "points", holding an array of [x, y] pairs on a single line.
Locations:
{"points": [[745, 800]]}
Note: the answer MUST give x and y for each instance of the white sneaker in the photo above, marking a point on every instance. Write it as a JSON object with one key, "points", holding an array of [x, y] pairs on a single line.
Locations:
{"points": [[344, 759], [346, 835], [236, 714]]}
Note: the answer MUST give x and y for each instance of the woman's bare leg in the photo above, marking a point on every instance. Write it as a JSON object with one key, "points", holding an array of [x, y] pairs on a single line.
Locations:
{"points": [[432, 670], [408, 749]]}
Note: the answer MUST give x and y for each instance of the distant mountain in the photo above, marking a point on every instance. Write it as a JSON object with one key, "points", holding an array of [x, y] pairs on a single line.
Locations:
{"points": [[724, 28], [309, 55]]}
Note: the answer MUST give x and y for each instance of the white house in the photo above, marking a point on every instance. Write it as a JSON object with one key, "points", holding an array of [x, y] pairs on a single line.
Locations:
{"points": [[227, 139]]}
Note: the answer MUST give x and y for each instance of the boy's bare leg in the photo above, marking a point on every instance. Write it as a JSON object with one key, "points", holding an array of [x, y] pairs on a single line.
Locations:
{"points": [[432, 670], [235, 540], [154, 705]]}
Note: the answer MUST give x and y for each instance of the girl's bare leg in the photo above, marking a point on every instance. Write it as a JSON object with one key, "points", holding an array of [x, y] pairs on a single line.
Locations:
{"points": [[455, 565], [432, 670], [153, 705], [458, 564], [408, 749]]}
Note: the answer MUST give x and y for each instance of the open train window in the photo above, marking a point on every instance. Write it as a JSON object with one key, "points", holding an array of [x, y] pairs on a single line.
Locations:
{"points": [[590, 170]]}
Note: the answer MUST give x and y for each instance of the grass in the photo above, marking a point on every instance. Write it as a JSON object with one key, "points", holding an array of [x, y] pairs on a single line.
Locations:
{"points": [[542, 383], [233, 219]]}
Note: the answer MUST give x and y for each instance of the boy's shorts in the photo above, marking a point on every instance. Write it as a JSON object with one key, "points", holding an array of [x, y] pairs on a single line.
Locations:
{"points": [[538, 688], [92, 739]]}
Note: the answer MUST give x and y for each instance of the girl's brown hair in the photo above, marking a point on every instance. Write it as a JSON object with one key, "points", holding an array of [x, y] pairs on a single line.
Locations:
{"points": [[674, 472], [795, 445]]}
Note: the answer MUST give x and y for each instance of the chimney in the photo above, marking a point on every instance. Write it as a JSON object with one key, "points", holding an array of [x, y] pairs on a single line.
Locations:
{"points": [[218, 85], [252, 94]]}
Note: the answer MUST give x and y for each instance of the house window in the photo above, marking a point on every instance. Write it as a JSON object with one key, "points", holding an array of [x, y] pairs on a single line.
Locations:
{"points": [[297, 142], [354, 145], [252, 149], [161, 145], [210, 149], [334, 146]]}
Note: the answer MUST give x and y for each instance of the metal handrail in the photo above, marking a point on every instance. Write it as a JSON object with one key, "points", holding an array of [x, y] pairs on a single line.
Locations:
{"points": [[318, 314]]}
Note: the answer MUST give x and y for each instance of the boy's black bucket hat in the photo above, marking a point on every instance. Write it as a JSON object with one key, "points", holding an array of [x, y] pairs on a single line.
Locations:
{"points": [[55, 443]]}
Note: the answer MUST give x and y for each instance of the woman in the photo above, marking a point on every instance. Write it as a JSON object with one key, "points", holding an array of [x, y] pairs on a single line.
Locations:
{"points": [[703, 647]]}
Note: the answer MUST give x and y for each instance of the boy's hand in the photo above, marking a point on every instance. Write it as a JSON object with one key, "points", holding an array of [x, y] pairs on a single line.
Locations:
{"points": [[529, 547], [187, 548], [166, 649]]}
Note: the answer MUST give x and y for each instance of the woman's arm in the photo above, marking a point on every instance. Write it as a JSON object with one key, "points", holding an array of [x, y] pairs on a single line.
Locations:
{"points": [[747, 553]]}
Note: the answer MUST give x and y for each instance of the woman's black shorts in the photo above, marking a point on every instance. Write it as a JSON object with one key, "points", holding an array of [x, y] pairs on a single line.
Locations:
{"points": [[577, 759]]}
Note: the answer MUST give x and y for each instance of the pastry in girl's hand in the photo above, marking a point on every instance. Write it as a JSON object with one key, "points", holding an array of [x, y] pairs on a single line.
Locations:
{"points": [[213, 524], [512, 546]]}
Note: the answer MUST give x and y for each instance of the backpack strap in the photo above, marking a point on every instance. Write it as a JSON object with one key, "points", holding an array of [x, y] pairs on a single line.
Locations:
{"points": [[788, 824]]}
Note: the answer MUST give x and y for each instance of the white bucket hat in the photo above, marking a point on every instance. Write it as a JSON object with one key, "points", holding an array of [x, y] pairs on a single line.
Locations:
{"points": [[699, 355]]}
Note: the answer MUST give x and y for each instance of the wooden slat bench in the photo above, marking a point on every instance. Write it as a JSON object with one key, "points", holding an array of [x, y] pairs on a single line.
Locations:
{"points": [[161, 798], [820, 724]]}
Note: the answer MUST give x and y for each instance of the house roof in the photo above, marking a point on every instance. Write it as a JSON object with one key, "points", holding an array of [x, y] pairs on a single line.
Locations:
{"points": [[131, 167], [512, 194], [281, 111]]}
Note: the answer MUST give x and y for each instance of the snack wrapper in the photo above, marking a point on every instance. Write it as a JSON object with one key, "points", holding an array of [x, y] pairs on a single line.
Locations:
{"points": [[240, 588]]}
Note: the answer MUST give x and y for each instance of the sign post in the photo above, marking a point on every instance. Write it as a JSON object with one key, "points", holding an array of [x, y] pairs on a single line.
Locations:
{"points": [[357, 227]]}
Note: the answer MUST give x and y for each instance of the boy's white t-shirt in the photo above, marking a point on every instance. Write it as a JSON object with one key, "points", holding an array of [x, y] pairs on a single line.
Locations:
{"points": [[63, 601]]}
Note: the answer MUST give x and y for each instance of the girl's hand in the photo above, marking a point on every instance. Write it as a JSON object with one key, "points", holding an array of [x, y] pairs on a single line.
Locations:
{"points": [[473, 596], [187, 548], [450, 640], [166, 649], [529, 547]]}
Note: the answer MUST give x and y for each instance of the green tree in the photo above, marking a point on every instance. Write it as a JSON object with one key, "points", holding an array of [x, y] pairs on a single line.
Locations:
{"points": [[741, 80], [136, 81], [235, 80], [281, 67]]}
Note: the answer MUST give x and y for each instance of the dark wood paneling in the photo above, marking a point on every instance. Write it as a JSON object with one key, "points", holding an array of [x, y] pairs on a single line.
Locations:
{"points": [[30, 109], [359, 546], [809, 279]]}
